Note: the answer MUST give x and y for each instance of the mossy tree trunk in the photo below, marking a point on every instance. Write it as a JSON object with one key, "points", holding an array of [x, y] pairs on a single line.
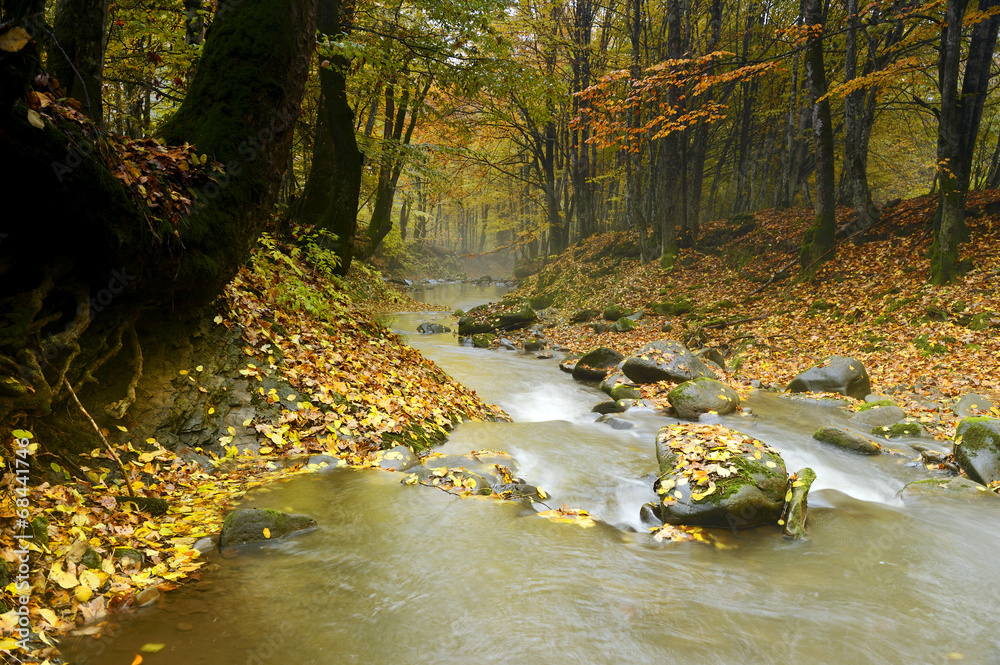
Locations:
{"points": [[76, 57], [90, 260], [330, 198], [817, 245]]}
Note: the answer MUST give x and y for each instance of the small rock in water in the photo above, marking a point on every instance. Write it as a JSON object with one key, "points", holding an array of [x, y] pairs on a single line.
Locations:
{"points": [[250, 525], [847, 440], [616, 423], [545, 355]]}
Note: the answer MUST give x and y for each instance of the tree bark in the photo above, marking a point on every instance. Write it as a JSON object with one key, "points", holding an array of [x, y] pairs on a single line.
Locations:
{"points": [[330, 197], [958, 126], [580, 165], [819, 240], [856, 132], [76, 58]]}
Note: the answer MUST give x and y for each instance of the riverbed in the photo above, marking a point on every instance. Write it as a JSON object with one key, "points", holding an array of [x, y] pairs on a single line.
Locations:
{"points": [[408, 574]]}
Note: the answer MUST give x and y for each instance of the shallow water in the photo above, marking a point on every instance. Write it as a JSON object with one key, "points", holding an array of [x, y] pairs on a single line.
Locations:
{"points": [[413, 575]]}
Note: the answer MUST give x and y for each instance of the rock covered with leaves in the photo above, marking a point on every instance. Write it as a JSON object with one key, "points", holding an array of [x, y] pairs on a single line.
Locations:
{"points": [[665, 361], [711, 475]]}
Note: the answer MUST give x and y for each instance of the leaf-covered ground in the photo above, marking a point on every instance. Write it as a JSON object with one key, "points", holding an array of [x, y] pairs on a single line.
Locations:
{"points": [[924, 345], [94, 556]]}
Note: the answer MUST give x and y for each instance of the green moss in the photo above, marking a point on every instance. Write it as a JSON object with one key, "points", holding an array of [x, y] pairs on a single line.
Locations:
{"points": [[978, 438], [40, 529], [868, 406], [980, 321], [899, 429]]}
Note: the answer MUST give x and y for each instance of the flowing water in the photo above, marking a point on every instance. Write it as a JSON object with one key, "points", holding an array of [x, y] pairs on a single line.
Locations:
{"points": [[406, 574]]}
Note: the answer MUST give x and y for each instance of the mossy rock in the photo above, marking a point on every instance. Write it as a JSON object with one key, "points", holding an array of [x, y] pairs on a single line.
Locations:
{"points": [[977, 448], [751, 493], [625, 391], [541, 301], [624, 324], [613, 378], [615, 312], [898, 430], [483, 340], [797, 506], [847, 440], [693, 398], [875, 405], [596, 365], [673, 308], [583, 315], [247, 525], [980, 321], [953, 487]]}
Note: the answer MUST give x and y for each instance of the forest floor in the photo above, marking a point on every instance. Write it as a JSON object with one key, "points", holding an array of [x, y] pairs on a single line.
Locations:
{"points": [[92, 557], [924, 345]]}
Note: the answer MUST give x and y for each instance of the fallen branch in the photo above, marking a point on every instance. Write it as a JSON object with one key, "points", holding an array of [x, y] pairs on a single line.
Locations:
{"points": [[121, 467]]}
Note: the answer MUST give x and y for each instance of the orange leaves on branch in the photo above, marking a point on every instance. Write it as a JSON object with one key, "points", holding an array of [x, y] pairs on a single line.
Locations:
{"points": [[669, 97]]}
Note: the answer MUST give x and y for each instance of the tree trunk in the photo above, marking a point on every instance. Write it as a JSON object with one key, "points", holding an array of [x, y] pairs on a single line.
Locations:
{"points": [[634, 218], [958, 125], [818, 243], [580, 164], [76, 58], [855, 130], [699, 143], [330, 198], [391, 163]]}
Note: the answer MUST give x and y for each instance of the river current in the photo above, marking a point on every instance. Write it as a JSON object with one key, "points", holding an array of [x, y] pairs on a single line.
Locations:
{"points": [[407, 574]]}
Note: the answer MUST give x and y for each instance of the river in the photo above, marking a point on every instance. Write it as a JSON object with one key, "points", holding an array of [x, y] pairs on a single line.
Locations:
{"points": [[407, 574]]}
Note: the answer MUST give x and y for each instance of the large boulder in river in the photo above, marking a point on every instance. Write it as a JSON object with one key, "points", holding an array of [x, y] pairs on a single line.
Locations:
{"points": [[714, 476], [499, 316], [835, 374], [595, 365], [693, 398], [665, 361], [977, 448], [251, 525]]}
